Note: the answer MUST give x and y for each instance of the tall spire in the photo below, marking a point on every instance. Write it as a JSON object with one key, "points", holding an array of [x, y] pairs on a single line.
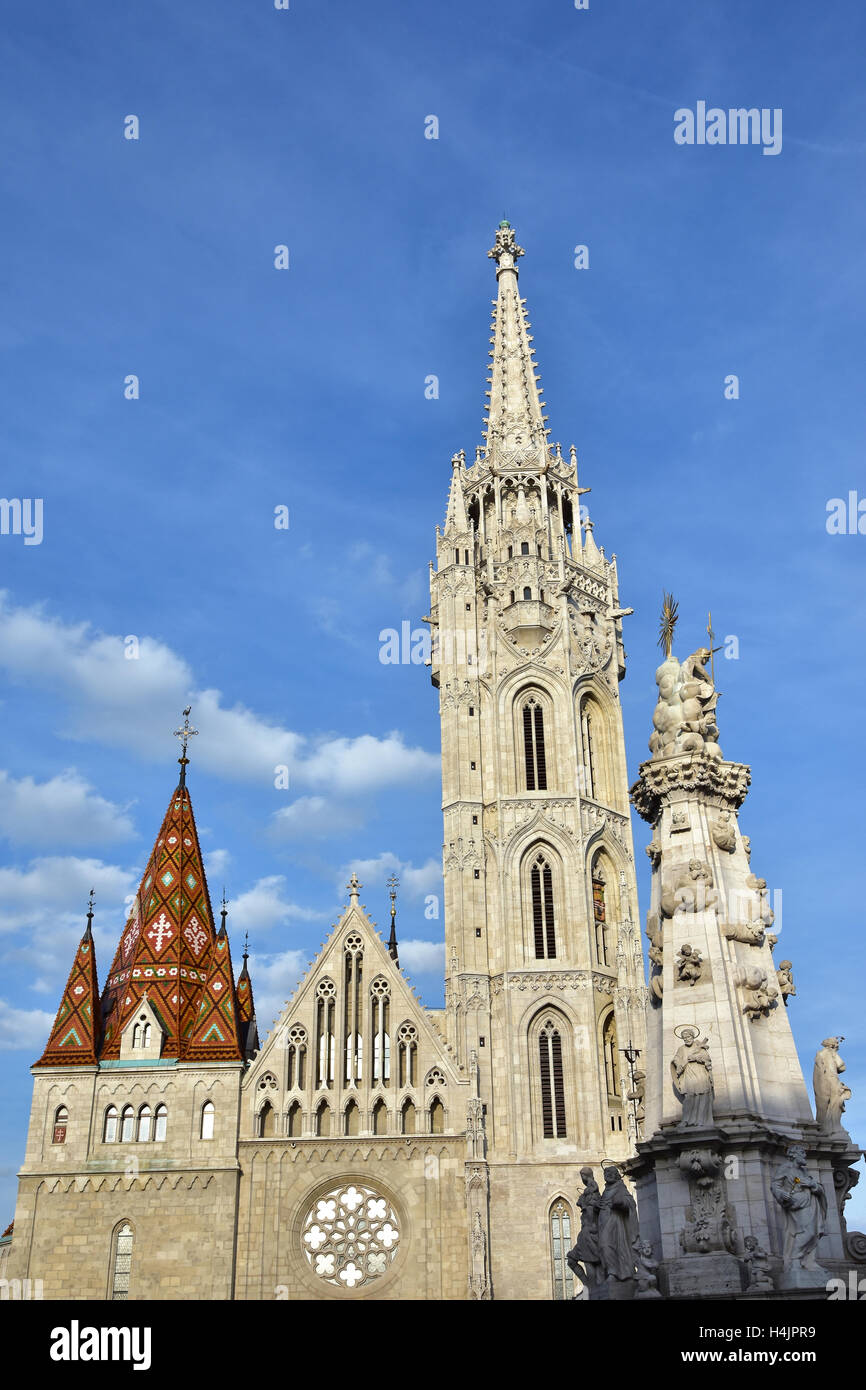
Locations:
{"points": [[75, 1035], [515, 429], [246, 1007]]}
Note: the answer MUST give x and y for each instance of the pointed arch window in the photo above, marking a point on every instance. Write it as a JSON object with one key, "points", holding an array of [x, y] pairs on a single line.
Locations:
{"points": [[266, 1122], [560, 1244], [610, 1056], [127, 1124], [325, 1042], [552, 1084], [207, 1119], [145, 1118], [161, 1123], [590, 777], [534, 757], [121, 1264], [352, 1119], [380, 1118], [293, 1120], [61, 1120], [323, 1120], [353, 1008], [109, 1130], [380, 995], [543, 926], [407, 1043], [408, 1117], [297, 1057], [599, 914], [437, 1116]]}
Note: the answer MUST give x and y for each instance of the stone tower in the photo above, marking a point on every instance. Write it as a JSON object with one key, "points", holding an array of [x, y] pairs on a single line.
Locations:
{"points": [[544, 976], [726, 1099]]}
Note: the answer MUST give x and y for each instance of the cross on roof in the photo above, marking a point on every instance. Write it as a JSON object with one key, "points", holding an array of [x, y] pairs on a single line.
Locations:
{"points": [[185, 733]]}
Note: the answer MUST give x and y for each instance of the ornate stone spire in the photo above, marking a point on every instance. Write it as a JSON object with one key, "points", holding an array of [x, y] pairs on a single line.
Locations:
{"points": [[246, 1006], [515, 430]]}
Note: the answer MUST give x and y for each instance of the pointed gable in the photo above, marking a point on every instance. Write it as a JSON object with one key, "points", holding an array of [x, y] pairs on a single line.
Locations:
{"points": [[216, 1034], [167, 943], [332, 1004], [75, 1036]]}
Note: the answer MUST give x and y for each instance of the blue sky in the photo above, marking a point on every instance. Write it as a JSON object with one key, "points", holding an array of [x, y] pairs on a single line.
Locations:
{"points": [[305, 388]]}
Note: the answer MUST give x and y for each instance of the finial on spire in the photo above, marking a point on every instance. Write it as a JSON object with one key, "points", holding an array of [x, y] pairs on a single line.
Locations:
{"points": [[354, 887], [224, 910], [246, 947], [185, 733], [505, 251], [668, 623], [89, 914], [393, 885]]}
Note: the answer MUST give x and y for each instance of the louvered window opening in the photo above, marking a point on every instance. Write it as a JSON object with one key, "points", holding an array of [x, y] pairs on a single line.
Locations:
{"points": [[541, 879]]}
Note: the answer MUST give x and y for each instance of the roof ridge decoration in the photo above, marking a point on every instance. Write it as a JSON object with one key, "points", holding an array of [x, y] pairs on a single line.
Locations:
{"points": [[74, 1039], [515, 429]]}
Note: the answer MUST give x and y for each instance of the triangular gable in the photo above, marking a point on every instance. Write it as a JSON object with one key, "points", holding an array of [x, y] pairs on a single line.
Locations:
{"points": [[405, 1005], [75, 1036]]}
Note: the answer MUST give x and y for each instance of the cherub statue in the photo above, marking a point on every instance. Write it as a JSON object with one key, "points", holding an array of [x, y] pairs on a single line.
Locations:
{"points": [[647, 1269], [689, 965], [758, 1266]]}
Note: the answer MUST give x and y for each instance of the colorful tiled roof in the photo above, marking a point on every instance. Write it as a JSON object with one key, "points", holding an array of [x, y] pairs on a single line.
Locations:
{"points": [[74, 1039], [166, 948]]}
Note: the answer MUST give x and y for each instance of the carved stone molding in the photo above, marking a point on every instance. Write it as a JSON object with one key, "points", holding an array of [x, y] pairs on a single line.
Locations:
{"points": [[725, 784]]}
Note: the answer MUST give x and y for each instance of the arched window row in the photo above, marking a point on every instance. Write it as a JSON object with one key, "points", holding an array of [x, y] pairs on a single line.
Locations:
{"points": [[326, 1122], [128, 1126]]}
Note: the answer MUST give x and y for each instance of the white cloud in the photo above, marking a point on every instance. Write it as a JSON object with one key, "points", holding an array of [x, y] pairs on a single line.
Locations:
{"points": [[275, 978], [422, 957], [127, 702], [216, 861], [365, 763], [25, 1029], [64, 811], [314, 818], [265, 906], [414, 882], [53, 891]]}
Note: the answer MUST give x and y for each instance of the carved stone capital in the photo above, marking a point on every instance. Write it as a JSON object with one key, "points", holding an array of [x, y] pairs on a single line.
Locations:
{"points": [[721, 783]]}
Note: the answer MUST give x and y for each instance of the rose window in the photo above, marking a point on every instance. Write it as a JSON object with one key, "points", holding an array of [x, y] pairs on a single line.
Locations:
{"points": [[350, 1236]]}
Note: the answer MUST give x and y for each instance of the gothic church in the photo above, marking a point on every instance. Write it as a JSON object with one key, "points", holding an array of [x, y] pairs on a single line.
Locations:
{"points": [[370, 1147]]}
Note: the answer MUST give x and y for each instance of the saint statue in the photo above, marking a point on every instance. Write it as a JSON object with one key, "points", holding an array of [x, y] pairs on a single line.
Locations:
{"points": [[584, 1259], [617, 1226], [804, 1203], [830, 1093], [692, 1077]]}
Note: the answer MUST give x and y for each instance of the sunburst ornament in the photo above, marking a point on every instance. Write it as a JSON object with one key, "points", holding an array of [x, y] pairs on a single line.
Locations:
{"points": [[668, 623]]}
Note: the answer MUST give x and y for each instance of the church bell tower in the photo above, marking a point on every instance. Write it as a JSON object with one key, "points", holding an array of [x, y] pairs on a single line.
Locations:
{"points": [[544, 977]]}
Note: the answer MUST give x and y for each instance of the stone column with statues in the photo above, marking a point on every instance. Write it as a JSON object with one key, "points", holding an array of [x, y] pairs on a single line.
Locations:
{"points": [[725, 1096]]}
